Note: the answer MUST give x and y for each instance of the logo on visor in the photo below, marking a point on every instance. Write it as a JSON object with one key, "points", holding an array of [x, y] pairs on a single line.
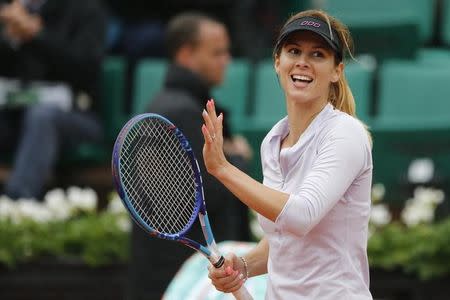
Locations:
{"points": [[310, 23]]}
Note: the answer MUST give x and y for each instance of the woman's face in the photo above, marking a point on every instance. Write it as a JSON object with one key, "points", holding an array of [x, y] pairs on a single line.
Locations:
{"points": [[306, 68]]}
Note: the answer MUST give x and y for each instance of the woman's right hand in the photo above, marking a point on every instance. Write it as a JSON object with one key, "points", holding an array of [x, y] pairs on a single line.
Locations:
{"points": [[230, 277], [212, 129]]}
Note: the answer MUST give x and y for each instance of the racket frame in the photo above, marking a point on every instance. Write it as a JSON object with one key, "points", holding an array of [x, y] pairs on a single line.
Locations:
{"points": [[210, 251]]}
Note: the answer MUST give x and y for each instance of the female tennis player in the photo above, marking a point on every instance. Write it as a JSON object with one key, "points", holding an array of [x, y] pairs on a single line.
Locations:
{"points": [[314, 202]]}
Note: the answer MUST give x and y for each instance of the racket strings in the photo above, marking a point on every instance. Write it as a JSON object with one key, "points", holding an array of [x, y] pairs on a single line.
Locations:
{"points": [[181, 166], [172, 206], [158, 176], [171, 223], [158, 184]]}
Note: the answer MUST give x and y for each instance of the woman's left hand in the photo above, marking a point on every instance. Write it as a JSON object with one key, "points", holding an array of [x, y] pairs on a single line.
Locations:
{"points": [[230, 277], [213, 154]]}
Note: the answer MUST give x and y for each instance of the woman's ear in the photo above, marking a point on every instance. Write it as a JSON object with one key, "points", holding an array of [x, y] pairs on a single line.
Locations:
{"points": [[276, 64], [337, 73]]}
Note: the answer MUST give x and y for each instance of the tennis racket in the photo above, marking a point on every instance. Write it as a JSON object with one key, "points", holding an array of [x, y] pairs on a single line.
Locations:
{"points": [[158, 179]]}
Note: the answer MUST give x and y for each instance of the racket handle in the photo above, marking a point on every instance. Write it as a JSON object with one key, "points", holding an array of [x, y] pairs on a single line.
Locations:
{"points": [[242, 294]]}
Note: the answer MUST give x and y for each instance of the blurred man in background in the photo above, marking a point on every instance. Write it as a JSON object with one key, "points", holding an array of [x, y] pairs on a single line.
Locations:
{"points": [[198, 49], [50, 58]]}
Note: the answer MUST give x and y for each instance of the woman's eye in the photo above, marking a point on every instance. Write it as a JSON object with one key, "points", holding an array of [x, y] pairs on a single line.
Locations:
{"points": [[317, 54], [294, 51]]}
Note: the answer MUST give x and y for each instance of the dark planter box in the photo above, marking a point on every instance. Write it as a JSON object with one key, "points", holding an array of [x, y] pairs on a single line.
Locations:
{"points": [[396, 285], [51, 280], [62, 281]]}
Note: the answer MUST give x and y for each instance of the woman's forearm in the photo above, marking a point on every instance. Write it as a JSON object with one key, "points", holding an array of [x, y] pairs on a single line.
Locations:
{"points": [[264, 200], [257, 259]]}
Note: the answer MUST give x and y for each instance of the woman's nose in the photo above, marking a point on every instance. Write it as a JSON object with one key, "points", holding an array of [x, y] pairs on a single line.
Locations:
{"points": [[302, 61]]}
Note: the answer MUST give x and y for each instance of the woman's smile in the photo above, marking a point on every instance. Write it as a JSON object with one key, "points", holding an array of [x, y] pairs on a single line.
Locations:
{"points": [[301, 81]]}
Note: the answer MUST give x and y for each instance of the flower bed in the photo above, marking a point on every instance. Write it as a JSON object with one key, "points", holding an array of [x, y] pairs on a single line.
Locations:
{"points": [[62, 247], [65, 225], [414, 243]]}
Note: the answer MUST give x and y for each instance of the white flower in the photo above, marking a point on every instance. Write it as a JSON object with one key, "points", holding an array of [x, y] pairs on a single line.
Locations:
{"points": [[8, 209], [380, 215], [42, 214], [421, 170], [421, 208], [55, 193], [412, 215], [82, 199], [32, 210], [428, 196], [56, 202], [115, 205], [378, 192]]}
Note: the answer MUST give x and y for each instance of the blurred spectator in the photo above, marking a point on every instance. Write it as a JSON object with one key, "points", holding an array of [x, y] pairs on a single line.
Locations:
{"points": [[50, 57], [198, 47], [137, 27]]}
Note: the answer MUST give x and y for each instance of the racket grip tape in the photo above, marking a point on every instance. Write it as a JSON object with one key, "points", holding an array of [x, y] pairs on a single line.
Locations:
{"points": [[219, 263]]}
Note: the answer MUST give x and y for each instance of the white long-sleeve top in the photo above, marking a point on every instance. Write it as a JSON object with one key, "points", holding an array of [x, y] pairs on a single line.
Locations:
{"points": [[317, 245]]}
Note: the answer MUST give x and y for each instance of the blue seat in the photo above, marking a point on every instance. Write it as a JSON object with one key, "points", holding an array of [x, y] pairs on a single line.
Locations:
{"points": [[360, 77], [113, 94], [434, 56], [413, 96], [269, 105], [445, 25], [112, 100], [267, 108], [401, 24], [412, 120], [148, 80], [233, 94]]}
